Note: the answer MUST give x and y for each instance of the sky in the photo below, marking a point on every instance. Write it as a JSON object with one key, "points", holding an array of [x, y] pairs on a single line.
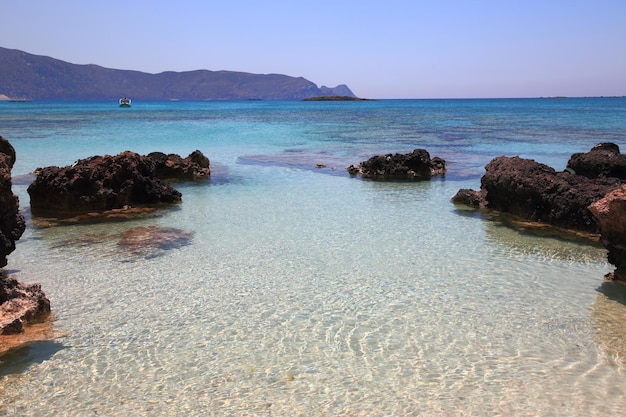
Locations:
{"points": [[380, 49]]}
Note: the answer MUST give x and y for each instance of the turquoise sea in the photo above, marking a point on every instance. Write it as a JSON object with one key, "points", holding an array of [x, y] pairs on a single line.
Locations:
{"points": [[305, 292]]}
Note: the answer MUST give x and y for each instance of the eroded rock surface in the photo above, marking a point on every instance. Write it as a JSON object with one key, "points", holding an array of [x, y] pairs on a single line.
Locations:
{"points": [[414, 165], [20, 303], [603, 161], [12, 223], [172, 166], [536, 192], [589, 196], [105, 183]]}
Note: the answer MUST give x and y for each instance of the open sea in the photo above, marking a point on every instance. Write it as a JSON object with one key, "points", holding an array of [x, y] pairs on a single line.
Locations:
{"points": [[301, 291]]}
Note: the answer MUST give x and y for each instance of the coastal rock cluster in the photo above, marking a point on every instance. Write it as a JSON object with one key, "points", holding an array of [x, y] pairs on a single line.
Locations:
{"points": [[12, 223], [603, 161], [19, 302], [414, 165], [587, 196], [536, 192], [104, 183]]}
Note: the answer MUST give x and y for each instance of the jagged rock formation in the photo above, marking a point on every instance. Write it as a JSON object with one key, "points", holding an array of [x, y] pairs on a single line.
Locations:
{"points": [[588, 196], [105, 183], [34, 77], [414, 165], [536, 192], [602, 161], [172, 166], [12, 223], [19, 302]]}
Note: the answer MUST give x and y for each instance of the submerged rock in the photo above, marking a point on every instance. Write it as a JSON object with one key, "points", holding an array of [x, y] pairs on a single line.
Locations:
{"points": [[414, 165], [151, 241]]}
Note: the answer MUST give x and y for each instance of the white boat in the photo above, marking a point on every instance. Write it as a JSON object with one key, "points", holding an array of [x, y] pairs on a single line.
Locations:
{"points": [[125, 102]]}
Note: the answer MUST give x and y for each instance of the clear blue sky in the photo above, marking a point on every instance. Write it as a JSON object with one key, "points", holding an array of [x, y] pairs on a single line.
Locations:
{"points": [[380, 49]]}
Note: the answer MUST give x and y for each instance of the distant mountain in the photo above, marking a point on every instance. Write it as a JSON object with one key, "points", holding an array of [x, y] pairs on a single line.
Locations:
{"points": [[35, 77]]}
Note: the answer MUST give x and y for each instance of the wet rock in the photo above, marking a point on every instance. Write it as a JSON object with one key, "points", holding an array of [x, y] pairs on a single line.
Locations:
{"points": [[172, 166], [536, 192], [610, 213], [602, 161], [414, 165], [19, 303], [12, 223], [99, 183], [469, 197]]}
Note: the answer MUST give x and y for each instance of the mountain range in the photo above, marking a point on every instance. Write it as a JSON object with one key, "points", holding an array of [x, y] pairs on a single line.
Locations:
{"points": [[24, 76]]}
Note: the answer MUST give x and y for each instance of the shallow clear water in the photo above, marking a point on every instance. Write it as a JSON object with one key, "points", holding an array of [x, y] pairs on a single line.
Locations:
{"points": [[303, 291]]}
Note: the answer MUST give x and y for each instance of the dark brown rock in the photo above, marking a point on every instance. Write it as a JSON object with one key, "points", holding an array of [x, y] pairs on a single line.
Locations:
{"points": [[12, 223], [172, 166], [414, 165], [610, 213], [469, 198], [602, 161], [536, 192], [99, 183], [19, 303]]}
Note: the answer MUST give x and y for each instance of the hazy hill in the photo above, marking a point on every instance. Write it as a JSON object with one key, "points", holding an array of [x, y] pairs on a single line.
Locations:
{"points": [[35, 77]]}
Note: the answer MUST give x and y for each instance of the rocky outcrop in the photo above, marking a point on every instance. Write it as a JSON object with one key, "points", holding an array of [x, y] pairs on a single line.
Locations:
{"points": [[602, 161], [112, 183], [536, 192], [174, 167], [19, 304], [414, 165], [589, 196], [610, 213], [12, 223]]}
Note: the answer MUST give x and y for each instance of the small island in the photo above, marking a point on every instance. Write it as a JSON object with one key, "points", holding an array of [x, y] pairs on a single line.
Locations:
{"points": [[336, 98]]}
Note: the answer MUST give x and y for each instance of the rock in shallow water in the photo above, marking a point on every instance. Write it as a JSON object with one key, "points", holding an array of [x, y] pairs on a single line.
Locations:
{"points": [[536, 192], [102, 183], [12, 223], [20, 303], [593, 202], [414, 165]]}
